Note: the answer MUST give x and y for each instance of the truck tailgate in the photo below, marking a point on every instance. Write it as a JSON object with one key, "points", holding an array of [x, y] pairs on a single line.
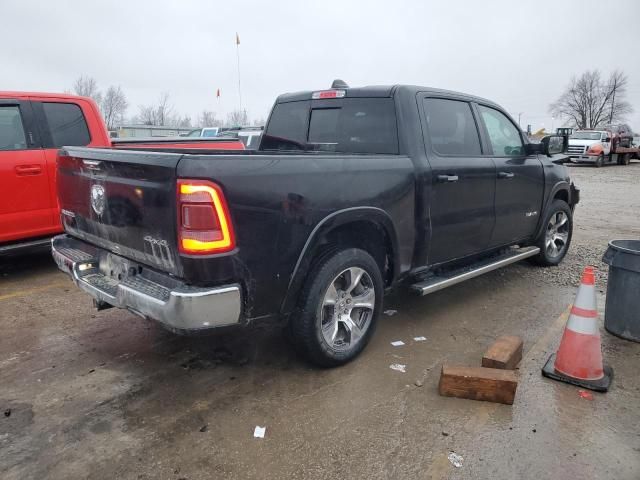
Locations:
{"points": [[122, 201]]}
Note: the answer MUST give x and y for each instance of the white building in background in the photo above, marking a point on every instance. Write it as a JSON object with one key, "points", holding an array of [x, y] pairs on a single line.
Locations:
{"points": [[146, 131]]}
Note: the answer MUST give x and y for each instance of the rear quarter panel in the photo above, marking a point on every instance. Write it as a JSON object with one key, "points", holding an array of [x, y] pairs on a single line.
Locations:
{"points": [[277, 200]]}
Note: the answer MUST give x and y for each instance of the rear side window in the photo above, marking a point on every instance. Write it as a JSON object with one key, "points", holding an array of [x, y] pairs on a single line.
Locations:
{"points": [[452, 128], [354, 125], [11, 130], [66, 124], [360, 125], [287, 129]]}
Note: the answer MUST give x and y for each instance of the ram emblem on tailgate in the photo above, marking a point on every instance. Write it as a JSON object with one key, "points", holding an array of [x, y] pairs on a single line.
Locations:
{"points": [[98, 199]]}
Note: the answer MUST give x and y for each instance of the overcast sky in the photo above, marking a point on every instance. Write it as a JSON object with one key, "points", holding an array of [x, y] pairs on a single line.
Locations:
{"points": [[519, 54]]}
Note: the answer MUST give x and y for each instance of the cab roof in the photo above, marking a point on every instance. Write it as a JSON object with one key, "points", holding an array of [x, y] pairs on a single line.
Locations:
{"points": [[378, 91]]}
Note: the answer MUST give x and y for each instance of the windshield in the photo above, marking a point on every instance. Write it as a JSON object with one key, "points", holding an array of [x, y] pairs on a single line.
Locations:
{"points": [[194, 133], [586, 135]]}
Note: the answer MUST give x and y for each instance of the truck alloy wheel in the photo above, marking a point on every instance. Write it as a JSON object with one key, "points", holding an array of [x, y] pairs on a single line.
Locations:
{"points": [[600, 160], [338, 308], [557, 234], [347, 308]]}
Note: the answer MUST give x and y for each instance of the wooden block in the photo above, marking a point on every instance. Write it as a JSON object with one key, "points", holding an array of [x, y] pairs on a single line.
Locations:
{"points": [[478, 383], [505, 353]]}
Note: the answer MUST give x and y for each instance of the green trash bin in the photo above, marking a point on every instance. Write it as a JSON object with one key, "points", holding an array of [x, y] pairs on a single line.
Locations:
{"points": [[622, 309]]}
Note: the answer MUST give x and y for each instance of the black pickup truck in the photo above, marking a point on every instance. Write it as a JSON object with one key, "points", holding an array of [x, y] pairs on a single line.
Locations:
{"points": [[352, 191]]}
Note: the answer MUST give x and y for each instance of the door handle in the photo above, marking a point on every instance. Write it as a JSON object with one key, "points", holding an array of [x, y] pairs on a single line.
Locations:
{"points": [[447, 178], [28, 169], [506, 174]]}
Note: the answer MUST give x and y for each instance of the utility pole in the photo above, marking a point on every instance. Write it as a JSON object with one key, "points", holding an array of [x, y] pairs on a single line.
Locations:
{"points": [[613, 99], [238, 57], [519, 115]]}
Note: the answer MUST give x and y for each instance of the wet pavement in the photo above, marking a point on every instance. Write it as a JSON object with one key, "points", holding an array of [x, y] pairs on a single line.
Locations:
{"points": [[86, 394]]}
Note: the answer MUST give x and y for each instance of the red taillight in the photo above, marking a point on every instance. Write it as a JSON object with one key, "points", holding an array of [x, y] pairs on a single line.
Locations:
{"points": [[204, 224], [328, 94]]}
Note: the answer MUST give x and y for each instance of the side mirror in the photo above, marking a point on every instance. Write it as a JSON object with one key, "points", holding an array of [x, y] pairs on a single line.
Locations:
{"points": [[554, 144], [607, 140]]}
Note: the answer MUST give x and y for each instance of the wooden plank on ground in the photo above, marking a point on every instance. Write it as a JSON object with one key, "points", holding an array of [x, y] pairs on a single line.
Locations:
{"points": [[505, 353], [478, 383]]}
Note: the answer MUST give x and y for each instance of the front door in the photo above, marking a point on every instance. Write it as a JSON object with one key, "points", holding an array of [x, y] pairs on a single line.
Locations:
{"points": [[462, 182], [519, 179], [26, 208]]}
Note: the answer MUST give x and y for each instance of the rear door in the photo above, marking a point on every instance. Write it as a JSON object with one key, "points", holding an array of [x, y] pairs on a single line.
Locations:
{"points": [[26, 209], [519, 179], [462, 180]]}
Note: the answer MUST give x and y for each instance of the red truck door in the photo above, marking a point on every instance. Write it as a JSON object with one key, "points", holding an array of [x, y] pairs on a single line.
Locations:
{"points": [[61, 123], [26, 209]]}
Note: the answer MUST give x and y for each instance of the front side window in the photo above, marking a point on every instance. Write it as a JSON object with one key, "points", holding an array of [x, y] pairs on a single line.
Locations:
{"points": [[504, 136], [12, 135], [66, 124], [452, 129]]}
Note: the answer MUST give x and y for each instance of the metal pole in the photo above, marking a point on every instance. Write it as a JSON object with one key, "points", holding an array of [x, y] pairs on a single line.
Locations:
{"points": [[613, 101], [239, 89]]}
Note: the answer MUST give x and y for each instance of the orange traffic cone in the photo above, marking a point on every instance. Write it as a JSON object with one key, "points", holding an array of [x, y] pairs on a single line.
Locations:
{"points": [[579, 357]]}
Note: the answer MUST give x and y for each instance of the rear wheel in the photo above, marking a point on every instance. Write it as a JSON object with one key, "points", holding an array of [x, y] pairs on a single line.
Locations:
{"points": [[339, 308], [555, 239], [626, 159]]}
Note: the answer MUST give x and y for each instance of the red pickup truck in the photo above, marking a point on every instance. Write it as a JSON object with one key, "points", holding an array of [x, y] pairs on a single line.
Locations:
{"points": [[33, 126]]}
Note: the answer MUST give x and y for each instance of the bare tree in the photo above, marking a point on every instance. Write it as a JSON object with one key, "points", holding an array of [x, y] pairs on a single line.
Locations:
{"points": [[114, 105], [158, 114], [237, 118], [86, 86], [183, 122], [164, 109], [590, 102], [147, 115], [208, 118]]}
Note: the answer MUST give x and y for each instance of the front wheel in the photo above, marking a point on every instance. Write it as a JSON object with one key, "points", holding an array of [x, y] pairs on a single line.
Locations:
{"points": [[339, 308], [555, 238], [600, 160]]}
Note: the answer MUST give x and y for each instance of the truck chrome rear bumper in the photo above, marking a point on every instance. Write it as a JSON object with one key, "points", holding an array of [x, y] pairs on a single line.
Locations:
{"points": [[121, 283]]}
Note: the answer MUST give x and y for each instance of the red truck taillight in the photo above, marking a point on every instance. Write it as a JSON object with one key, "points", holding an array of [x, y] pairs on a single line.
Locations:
{"points": [[204, 224]]}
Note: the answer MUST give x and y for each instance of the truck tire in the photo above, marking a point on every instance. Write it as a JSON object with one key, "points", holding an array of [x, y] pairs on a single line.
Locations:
{"points": [[600, 160], [338, 308], [626, 159], [556, 236]]}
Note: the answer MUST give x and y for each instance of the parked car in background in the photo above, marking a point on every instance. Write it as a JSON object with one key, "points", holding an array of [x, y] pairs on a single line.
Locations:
{"points": [[352, 191], [249, 136], [622, 135], [206, 132], [33, 126]]}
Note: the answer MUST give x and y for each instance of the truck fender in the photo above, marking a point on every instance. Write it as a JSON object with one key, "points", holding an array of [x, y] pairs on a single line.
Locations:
{"points": [[373, 215], [561, 186]]}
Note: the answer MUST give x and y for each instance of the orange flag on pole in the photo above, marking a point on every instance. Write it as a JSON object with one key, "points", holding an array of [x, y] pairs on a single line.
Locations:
{"points": [[237, 39]]}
